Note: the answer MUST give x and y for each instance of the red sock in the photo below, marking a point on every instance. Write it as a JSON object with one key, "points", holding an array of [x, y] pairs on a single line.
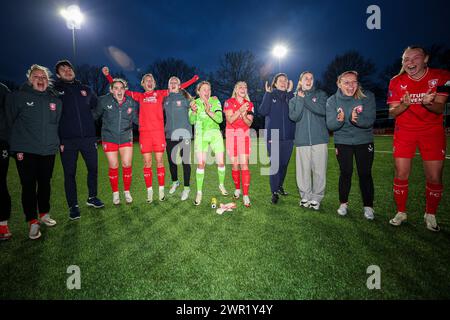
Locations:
{"points": [[42, 214], [34, 221], [433, 196], [127, 175], [245, 181], [400, 194], [161, 176], [148, 177], [236, 175], [114, 179]]}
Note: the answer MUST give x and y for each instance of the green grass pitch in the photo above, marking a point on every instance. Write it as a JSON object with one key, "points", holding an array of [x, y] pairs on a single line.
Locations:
{"points": [[174, 250]]}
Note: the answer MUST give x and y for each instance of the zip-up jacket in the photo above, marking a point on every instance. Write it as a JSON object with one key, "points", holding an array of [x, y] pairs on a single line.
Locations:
{"points": [[78, 102], [33, 117], [176, 107], [347, 131], [117, 119], [275, 109], [4, 131], [309, 115]]}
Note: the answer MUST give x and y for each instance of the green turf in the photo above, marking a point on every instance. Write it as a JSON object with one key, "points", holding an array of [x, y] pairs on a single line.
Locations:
{"points": [[174, 250]]}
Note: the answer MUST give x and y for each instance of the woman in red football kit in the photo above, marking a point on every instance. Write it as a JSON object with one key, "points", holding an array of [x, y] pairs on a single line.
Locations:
{"points": [[418, 107], [239, 115], [151, 128]]}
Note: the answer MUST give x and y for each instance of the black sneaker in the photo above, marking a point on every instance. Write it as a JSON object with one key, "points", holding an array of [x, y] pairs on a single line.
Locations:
{"points": [[282, 192], [275, 198], [95, 202], [74, 213]]}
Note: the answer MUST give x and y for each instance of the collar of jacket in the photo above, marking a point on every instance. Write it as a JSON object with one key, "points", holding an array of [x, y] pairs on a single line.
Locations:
{"points": [[342, 96], [27, 87], [61, 82], [280, 93]]}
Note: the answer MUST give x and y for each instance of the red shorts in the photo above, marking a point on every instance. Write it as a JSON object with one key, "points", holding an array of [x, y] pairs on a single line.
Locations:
{"points": [[111, 147], [152, 141], [431, 143], [237, 143]]}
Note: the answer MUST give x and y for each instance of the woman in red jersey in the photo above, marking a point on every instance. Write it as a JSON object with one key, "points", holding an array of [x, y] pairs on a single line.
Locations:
{"points": [[417, 106], [239, 115], [151, 128]]}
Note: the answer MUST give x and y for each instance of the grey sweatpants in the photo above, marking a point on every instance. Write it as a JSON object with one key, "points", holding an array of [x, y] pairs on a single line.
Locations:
{"points": [[311, 171]]}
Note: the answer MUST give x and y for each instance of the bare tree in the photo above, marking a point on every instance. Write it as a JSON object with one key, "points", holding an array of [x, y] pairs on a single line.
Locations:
{"points": [[162, 70], [94, 78], [351, 60]]}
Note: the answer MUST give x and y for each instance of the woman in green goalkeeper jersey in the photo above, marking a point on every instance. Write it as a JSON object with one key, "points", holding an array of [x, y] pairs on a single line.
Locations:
{"points": [[206, 115]]}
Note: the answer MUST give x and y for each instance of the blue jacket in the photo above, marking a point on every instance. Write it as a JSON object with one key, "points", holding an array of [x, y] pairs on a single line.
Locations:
{"points": [[348, 132], [309, 115], [78, 103], [275, 108]]}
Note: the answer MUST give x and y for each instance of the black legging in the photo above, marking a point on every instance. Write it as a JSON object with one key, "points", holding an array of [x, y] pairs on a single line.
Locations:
{"points": [[184, 146], [364, 155], [5, 199], [35, 174]]}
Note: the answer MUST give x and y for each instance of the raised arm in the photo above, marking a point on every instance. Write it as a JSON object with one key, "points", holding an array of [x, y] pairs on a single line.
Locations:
{"points": [[133, 94], [186, 84]]}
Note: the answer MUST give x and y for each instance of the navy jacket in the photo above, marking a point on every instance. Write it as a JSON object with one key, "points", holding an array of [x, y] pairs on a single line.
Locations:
{"points": [[78, 103], [275, 108]]}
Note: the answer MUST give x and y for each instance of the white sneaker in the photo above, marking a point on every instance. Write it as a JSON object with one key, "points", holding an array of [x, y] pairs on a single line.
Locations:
{"points": [[369, 213], [116, 198], [223, 190], [49, 222], [246, 201], [162, 197], [35, 232], [185, 194], [198, 198], [304, 203], [174, 187], [150, 195], [430, 221], [128, 197], [342, 211], [237, 193], [398, 219], [314, 205]]}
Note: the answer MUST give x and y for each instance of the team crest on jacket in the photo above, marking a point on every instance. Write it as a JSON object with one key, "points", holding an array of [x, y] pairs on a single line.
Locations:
{"points": [[83, 93], [314, 99], [432, 83], [359, 108], [129, 110], [20, 156], [52, 106], [178, 103]]}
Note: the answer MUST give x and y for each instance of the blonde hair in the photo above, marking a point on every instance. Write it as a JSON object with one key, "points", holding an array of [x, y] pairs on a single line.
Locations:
{"points": [[148, 75], [236, 86], [358, 93], [402, 70], [197, 89], [35, 67], [176, 78], [299, 85], [122, 81]]}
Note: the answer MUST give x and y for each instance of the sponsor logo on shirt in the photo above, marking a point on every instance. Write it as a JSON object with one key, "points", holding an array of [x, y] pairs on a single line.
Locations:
{"points": [[53, 106], [151, 99], [30, 104], [83, 93]]}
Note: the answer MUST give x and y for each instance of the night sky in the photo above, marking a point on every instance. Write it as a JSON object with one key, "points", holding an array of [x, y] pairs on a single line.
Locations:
{"points": [[199, 32]]}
